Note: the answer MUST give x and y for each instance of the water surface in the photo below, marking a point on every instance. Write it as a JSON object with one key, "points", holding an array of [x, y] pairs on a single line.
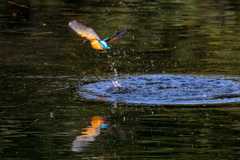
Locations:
{"points": [[43, 64], [165, 89]]}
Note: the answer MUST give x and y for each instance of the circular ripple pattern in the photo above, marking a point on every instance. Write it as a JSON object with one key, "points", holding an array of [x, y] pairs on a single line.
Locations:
{"points": [[165, 89]]}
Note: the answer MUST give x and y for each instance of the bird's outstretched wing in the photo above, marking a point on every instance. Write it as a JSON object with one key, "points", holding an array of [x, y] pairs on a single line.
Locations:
{"points": [[83, 30], [117, 36]]}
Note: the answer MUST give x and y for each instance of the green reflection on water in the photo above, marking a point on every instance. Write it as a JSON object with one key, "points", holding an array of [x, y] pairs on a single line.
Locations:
{"points": [[41, 59]]}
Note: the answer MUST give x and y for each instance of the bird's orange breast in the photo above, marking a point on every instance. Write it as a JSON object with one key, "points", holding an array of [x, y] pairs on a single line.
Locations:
{"points": [[96, 45]]}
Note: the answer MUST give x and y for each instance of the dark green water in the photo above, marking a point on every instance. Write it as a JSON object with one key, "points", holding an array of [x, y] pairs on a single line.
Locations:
{"points": [[42, 116]]}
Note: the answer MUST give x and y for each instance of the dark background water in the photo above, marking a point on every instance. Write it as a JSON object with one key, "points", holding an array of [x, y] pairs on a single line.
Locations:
{"points": [[43, 117]]}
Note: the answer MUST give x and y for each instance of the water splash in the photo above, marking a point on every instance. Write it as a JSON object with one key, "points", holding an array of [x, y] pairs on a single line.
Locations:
{"points": [[115, 81], [165, 89]]}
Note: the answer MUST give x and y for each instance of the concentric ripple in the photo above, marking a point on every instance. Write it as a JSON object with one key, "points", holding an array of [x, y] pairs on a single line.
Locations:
{"points": [[165, 89]]}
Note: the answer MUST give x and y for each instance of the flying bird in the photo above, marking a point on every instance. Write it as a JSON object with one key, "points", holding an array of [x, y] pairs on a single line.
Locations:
{"points": [[92, 36]]}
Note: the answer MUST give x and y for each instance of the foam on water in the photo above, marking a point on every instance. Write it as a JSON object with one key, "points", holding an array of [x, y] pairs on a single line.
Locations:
{"points": [[165, 89]]}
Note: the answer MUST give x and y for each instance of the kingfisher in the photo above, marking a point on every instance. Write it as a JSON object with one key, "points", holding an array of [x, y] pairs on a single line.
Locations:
{"points": [[92, 36]]}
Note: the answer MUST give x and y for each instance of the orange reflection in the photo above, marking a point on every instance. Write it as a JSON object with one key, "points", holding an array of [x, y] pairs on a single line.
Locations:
{"points": [[89, 134], [93, 130]]}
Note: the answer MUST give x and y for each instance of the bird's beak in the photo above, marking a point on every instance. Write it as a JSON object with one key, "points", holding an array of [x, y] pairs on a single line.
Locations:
{"points": [[86, 40]]}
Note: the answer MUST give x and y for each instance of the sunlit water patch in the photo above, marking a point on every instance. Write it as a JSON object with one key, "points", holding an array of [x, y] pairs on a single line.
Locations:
{"points": [[165, 89]]}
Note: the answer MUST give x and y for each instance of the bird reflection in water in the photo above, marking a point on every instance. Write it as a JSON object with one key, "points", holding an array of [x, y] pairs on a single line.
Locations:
{"points": [[90, 133]]}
